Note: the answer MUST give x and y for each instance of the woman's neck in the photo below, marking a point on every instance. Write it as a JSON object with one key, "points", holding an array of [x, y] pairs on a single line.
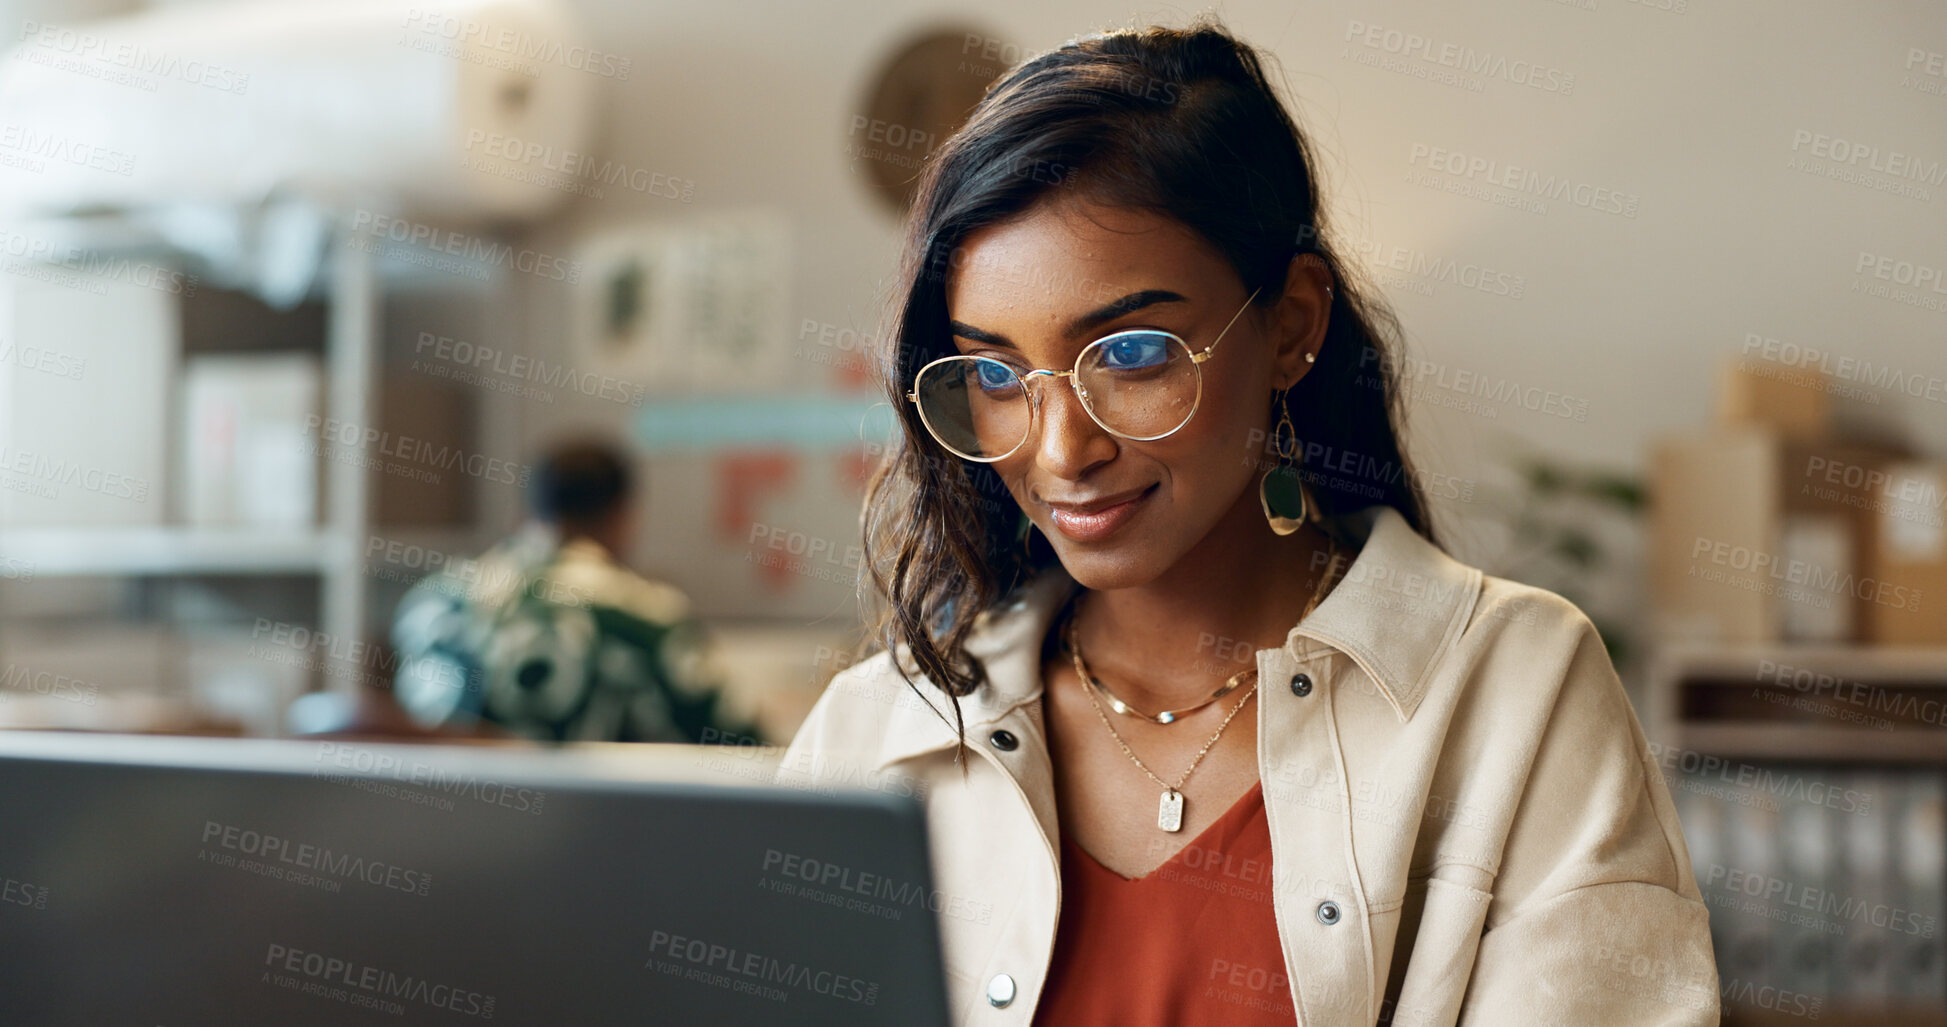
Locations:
{"points": [[1173, 641]]}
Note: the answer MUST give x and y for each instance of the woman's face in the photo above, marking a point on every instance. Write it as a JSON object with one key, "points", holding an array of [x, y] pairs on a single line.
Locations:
{"points": [[1120, 513]]}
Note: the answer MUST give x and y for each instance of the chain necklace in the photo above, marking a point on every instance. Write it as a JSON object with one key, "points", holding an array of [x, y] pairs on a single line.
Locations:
{"points": [[1168, 716], [1169, 813], [1169, 810], [1171, 716]]}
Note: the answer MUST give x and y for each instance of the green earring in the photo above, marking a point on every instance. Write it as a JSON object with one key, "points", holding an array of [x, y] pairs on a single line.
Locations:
{"points": [[1282, 491]]}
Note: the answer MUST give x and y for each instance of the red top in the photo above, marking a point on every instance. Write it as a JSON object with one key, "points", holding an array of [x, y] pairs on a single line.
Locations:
{"points": [[1192, 943]]}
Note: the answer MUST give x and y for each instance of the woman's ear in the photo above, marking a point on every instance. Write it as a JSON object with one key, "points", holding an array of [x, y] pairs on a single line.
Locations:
{"points": [[1302, 315]]}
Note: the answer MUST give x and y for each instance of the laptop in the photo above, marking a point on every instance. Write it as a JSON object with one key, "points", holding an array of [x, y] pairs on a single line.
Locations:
{"points": [[173, 881]]}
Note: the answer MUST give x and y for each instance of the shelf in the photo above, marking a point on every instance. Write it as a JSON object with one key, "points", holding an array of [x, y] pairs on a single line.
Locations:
{"points": [[1799, 701], [1844, 708], [329, 552], [1840, 1012], [56, 552], [1815, 743], [1864, 662]]}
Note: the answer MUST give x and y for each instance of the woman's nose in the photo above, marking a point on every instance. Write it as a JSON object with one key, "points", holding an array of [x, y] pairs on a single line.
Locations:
{"points": [[1071, 441]]}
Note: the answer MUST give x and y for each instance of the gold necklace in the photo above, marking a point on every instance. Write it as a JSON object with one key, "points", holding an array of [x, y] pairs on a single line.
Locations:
{"points": [[1167, 716], [1169, 812], [1171, 716], [1169, 809]]}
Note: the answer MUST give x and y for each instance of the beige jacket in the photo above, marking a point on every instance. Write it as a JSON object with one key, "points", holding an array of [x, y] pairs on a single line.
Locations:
{"points": [[1466, 825]]}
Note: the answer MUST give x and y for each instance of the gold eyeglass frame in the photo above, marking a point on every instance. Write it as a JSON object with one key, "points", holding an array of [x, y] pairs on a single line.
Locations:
{"points": [[1034, 396]]}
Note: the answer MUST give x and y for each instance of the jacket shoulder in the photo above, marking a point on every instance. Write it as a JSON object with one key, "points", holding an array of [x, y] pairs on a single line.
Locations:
{"points": [[857, 701], [860, 708], [1590, 810], [1534, 664], [1529, 611]]}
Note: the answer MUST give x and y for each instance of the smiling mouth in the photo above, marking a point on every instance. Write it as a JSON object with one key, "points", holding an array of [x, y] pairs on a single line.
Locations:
{"points": [[1092, 522]]}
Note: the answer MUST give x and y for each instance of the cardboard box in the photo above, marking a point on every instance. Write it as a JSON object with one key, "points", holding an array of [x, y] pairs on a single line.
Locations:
{"points": [[1755, 393], [1907, 561], [86, 366], [98, 677], [248, 457], [1757, 536]]}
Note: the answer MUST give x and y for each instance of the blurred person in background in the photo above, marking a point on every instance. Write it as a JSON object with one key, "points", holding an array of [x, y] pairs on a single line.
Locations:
{"points": [[548, 635]]}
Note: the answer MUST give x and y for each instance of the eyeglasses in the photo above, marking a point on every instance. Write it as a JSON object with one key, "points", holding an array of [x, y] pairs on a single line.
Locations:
{"points": [[1141, 384]]}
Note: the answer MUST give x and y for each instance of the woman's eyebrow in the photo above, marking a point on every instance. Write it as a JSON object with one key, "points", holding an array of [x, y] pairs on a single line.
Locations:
{"points": [[1101, 315]]}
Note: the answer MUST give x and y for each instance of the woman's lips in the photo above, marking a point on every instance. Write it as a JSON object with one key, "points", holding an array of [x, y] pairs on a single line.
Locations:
{"points": [[1099, 524]]}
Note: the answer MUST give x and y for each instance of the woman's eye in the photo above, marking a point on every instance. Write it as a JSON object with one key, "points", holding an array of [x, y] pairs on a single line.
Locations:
{"points": [[1136, 352], [992, 375]]}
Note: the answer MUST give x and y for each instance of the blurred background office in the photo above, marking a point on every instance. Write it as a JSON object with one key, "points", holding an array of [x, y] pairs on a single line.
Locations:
{"points": [[295, 297]]}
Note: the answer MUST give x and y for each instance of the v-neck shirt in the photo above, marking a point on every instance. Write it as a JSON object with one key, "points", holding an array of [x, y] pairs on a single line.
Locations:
{"points": [[1192, 943]]}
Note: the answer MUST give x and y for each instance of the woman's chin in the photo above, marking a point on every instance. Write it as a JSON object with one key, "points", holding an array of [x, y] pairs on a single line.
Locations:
{"points": [[1103, 568]]}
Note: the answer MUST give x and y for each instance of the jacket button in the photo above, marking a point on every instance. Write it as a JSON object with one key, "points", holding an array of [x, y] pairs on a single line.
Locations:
{"points": [[1005, 742], [1301, 685], [1000, 990], [1328, 913]]}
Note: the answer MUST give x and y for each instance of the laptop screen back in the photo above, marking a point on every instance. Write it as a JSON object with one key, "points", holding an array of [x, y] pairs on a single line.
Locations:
{"points": [[217, 881]]}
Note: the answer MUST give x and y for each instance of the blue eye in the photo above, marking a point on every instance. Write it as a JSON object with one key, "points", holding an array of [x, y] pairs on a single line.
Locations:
{"points": [[993, 376], [1136, 352]]}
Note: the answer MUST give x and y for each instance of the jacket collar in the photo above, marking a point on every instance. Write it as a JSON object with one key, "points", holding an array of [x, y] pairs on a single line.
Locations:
{"points": [[1394, 612], [1397, 610]]}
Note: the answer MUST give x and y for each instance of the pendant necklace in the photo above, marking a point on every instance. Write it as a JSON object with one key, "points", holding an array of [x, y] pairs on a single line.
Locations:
{"points": [[1169, 810]]}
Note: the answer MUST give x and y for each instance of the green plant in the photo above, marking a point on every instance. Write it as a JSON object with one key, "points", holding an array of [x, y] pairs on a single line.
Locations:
{"points": [[1555, 524]]}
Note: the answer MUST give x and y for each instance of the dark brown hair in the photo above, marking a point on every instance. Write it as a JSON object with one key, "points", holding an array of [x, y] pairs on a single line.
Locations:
{"points": [[1181, 122], [578, 482]]}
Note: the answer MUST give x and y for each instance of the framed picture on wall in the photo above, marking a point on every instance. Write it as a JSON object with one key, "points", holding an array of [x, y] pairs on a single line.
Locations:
{"points": [[682, 307]]}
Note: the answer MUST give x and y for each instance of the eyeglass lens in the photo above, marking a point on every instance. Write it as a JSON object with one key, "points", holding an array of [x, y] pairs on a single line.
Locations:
{"points": [[1137, 384]]}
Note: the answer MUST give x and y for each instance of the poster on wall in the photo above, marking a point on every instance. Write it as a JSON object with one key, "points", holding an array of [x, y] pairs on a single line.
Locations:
{"points": [[757, 498], [699, 305]]}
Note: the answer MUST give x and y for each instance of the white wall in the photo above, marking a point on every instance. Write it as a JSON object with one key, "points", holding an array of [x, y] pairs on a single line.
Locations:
{"points": [[1693, 113]]}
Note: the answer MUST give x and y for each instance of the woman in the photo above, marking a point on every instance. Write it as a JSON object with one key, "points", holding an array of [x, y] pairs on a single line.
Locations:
{"points": [[1210, 728]]}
